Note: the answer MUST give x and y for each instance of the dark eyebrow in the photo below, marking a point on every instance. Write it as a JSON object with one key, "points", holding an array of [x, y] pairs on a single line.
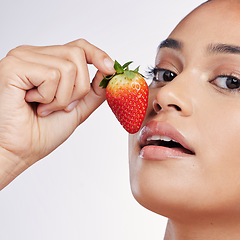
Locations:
{"points": [[170, 43], [223, 48]]}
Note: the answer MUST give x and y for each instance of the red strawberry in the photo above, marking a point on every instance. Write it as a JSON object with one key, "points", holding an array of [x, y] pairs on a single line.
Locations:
{"points": [[127, 96]]}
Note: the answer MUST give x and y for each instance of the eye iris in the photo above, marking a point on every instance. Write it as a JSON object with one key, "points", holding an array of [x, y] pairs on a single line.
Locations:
{"points": [[168, 76], [232, 83]]}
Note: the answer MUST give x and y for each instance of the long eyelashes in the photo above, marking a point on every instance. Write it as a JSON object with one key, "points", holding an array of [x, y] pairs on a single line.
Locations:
{"points": [[225, 82], [153, 73], [150, 73], [162, 75]]}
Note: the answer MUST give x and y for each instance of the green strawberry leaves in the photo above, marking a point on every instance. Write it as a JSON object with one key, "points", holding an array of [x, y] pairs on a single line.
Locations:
{"points": [[137, 69], [120, 69], [125, 66], [106, 80]]}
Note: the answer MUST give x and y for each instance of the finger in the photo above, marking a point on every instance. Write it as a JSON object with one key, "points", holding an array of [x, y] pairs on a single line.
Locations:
{"points": [[93, 55], [93, 99], [82, 82], [68, 71], [74, 83], [31, 75], [85, 106], [72, 54], [45, 88]]}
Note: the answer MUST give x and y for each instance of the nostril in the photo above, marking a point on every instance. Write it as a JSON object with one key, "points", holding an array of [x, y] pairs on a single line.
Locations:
{"points": [[157, 108], [175, 106]]}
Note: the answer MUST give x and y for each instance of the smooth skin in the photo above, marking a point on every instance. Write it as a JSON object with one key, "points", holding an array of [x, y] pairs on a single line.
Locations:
{"points": [[199, 193], [45, 93]]}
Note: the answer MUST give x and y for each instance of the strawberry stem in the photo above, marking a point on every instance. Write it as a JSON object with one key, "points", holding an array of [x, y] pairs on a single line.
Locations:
{"points": [[119, 70]]}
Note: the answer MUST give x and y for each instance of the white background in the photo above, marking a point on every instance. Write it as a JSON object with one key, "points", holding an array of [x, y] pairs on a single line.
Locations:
{"points": [[81, 190]]}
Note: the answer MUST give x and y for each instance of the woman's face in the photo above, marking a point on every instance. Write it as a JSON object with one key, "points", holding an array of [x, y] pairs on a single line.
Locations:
{"points": [[195, 101]]}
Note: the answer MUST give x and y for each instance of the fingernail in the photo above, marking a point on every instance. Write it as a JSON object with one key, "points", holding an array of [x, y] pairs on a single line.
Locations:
{"points": [[44, 114], [71, 106], [109, 64]]}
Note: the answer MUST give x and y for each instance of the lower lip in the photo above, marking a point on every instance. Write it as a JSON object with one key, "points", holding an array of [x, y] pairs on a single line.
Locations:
{"points": [[158, 153]]}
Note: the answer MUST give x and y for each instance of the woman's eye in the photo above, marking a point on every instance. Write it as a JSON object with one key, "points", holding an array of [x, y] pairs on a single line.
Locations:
{"points": [[163, 75], [227, 82]]}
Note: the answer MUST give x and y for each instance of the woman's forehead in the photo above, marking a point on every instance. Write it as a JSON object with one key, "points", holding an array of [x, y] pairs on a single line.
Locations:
{"points": [[217, 21]]}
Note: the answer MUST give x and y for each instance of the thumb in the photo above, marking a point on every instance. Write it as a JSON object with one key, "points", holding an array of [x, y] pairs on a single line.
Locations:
{"points": [[99, 91], [93, 99]]}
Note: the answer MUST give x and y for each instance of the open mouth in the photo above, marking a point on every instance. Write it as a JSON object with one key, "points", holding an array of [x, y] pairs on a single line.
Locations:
{"points": [[160, 140], [167, 142]]}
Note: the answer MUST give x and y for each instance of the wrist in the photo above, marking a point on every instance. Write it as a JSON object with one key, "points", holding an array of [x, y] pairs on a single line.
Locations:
{"points": [[10, 167]]}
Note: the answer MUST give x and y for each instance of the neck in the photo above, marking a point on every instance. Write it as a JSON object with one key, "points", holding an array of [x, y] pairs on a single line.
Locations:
{"points": [[214, 230]]}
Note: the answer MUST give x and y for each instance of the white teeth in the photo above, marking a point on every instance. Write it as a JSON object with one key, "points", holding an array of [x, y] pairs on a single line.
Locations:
{"points": [[154, 138], [158, 137], [165, 138]]}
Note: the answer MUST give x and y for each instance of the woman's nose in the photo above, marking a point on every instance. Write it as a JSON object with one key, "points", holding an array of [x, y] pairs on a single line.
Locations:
{"points": [[174, 96]]}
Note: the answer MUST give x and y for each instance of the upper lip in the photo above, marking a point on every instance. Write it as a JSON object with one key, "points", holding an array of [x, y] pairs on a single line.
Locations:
{"points": [[156, 128]]}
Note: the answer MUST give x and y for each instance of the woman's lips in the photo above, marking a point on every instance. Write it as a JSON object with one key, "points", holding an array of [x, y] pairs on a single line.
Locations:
{"points": [[160, 141]]}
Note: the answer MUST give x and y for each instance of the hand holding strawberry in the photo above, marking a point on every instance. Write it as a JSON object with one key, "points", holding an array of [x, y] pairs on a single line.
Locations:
{"points": [[127, 96], [45, 93]]}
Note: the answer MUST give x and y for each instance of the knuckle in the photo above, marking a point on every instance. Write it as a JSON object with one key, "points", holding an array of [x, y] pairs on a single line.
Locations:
{"points": [[7, 64], [86, 89], [82, 41], [53, 75], [70, 68], [11, 52], [17, 50], [76, 51], [8, 60], [83, 89]]}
